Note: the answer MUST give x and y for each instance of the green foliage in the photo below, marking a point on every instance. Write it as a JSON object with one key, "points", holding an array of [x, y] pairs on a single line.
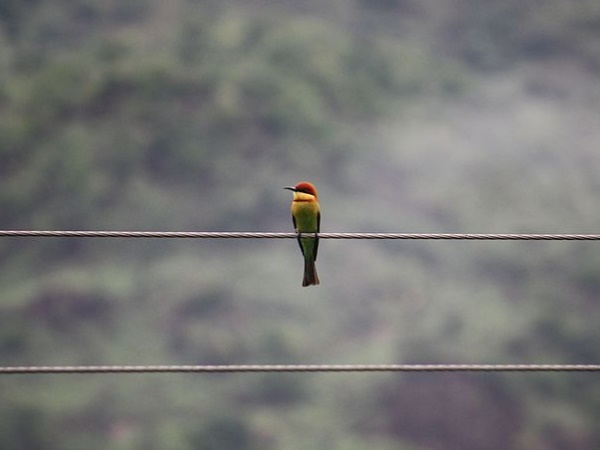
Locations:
{"points": [[501, 33], [227, 433], [24, 428]]}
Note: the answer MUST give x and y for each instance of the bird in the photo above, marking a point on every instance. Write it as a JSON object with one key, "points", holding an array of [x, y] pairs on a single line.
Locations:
{"points": [[306, 216]]}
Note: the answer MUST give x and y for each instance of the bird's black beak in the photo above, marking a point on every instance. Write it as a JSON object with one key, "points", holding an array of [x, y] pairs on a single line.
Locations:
{"points": [[291, 188]]}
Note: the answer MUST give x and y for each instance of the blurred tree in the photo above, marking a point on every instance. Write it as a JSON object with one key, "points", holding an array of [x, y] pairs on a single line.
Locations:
{"points": [[224, 433]]}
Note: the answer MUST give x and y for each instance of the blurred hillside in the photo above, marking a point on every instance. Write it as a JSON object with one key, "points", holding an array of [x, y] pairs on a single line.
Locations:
{"points": [[428, 116]]}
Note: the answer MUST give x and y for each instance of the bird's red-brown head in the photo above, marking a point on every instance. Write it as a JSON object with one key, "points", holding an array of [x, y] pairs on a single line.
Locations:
{"points": [[305, 187]]}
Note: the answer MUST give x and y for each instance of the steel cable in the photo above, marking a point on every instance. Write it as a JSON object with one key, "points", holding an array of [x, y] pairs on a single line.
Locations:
{"points": [[278, 235], [23, 370]]}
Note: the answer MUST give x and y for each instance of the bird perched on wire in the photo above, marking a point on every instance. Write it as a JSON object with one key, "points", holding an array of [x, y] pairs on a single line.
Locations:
{"points": [[306, 215]]}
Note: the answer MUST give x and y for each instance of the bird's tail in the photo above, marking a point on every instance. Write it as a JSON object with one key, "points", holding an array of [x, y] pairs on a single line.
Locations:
{"points": [[310, 273]]}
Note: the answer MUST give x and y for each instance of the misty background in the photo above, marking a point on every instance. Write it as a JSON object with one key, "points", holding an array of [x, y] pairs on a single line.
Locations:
{"points": [[191, 115]]}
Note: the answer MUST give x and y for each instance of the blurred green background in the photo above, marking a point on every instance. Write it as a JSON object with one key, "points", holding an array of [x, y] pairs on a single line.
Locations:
{"points": [[409, 116]]}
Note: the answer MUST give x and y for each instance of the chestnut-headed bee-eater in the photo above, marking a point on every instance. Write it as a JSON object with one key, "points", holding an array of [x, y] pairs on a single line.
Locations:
{"points": [[306, 215]]}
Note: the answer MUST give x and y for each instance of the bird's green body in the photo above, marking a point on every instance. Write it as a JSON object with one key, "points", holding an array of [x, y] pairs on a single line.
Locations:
{"points": [[306, 215]]}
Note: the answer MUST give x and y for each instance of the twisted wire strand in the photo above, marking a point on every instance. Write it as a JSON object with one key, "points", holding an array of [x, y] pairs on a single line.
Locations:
{"points": [[22, 370], [279, 235]]}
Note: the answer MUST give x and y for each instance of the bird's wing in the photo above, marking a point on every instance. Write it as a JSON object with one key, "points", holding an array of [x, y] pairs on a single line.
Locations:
{"points": [[318, 221], [317, 239], [296, 230]]}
